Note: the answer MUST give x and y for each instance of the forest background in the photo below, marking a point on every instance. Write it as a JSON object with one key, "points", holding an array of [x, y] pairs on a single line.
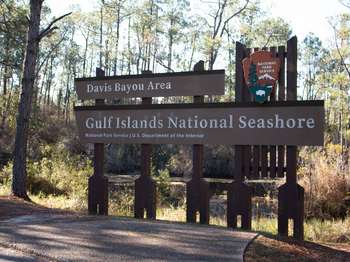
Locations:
{"points": [[127, 37]]}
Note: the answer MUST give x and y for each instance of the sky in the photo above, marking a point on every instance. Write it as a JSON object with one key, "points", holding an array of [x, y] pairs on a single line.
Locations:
{"points": [[304, 15], [308, 15]]}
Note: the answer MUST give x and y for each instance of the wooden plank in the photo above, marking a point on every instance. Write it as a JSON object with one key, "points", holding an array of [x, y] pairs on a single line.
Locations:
{"points": [[98, 184], [146, 149], [281, 97], [280, 161], [198, 149], [246, 94], [292, 60], [145, 186], [98, 147], [282, 76], [272, 148], [241, 94], [291, 164], [152, 85], [247, 150], [273, 94], [197, 194], [247, 162], [238, 163], [239, 194], [264, 161], [291, 195], [273, 159], [256, 162], [265, 149], [239, 79], [256, 152]]}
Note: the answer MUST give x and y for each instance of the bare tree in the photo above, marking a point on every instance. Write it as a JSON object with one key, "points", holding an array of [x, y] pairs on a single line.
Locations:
{"points": [[220, 24], [34, 36]]}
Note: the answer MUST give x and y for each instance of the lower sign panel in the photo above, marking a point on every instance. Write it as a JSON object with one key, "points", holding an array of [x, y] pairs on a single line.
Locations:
{"points": [[230, 124]]}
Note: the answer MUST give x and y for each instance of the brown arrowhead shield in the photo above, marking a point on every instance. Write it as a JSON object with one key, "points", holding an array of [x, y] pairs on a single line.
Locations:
{"points": [[261, 69]]}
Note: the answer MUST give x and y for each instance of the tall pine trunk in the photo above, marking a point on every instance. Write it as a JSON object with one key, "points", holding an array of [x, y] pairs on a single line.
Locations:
{"points": [[25, 104]]}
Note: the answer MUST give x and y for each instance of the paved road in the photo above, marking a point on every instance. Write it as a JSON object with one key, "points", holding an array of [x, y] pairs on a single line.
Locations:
{"points": [[62, 238], [11, 255]]}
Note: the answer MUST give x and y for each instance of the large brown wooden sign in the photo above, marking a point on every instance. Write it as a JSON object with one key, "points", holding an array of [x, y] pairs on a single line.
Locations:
{"points": [[265, 135], [152, 85], [296, 123]]}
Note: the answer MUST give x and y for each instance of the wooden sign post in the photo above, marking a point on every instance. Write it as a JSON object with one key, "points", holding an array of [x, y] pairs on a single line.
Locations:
{"points": [[197, 189], [98, 183], [259, 162], [291, 195], [145, 186], [239, 194]]}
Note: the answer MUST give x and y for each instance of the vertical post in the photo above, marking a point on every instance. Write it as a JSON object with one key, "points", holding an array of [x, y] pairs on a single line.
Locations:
{"points": [[291, 195], [197, 190], [145, 186], [272, 158], [281, 97], [239, 194], [98, 183]]}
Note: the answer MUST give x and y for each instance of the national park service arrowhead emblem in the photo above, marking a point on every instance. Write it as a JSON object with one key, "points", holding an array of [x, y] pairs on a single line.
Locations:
{"points": [[261, 72]]}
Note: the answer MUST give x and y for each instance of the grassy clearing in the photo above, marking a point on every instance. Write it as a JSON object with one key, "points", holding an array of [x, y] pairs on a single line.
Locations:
{"points": [[121, 204], [316, 230]]}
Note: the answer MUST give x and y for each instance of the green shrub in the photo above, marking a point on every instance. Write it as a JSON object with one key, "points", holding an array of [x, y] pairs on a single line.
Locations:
{"points": [[5, 179], [168, 195], [121, 202], [58, 173]]}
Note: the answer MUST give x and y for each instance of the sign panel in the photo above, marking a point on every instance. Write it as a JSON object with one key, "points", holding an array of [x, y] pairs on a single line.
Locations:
{"points": [[296, 123], [152, 85]]}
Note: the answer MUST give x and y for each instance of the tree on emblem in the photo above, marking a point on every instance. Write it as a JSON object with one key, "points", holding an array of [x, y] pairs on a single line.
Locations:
{"points": [[253, 78]]}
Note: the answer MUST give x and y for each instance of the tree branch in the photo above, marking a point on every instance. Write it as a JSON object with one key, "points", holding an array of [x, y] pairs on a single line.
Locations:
{"points": [[13, 65], [53, 48], [160, 62], [232, 16], [219, 16], [49, 28], [346, 4], [342, 60]]}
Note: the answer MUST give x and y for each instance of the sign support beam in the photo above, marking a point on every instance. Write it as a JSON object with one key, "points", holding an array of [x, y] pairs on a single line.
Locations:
{"points": [[145, 186], [239, 194], [197, 188], [291, 194], [98, 183]]}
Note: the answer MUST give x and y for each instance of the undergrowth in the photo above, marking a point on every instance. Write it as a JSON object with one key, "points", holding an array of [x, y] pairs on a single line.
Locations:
{"points": [[59, 180]]}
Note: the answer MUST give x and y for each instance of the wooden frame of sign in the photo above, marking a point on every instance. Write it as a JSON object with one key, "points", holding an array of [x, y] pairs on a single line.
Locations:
{"points": [[259, 161]]}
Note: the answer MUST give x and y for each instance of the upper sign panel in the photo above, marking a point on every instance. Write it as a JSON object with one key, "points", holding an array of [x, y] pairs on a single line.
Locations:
{"points": [[152, 85]]}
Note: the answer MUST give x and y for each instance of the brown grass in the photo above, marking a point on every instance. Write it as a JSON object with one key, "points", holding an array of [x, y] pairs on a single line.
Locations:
{"points": [[268, 248], [325, 176]]}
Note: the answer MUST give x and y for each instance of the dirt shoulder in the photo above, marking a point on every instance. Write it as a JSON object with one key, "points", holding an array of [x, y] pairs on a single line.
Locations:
{"points": [[12, 207], [268, 248]]}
